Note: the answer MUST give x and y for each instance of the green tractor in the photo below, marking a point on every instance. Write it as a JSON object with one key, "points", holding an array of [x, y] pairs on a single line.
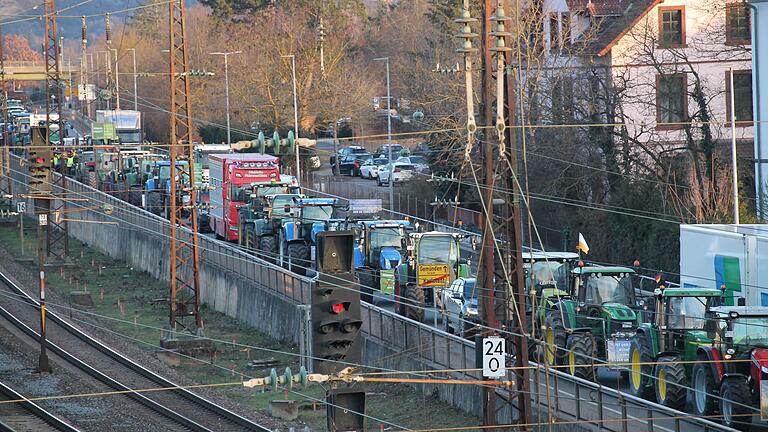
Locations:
{"points": [[594, 323], [432, 262], [547, 276], [264, 207], [662, 352]]}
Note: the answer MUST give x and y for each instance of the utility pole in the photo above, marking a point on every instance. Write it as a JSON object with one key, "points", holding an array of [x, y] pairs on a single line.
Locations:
{"points": [[117, 79], [108, 62], [512, 230], [389, 139], [135, 82], [184, 242], [57, 229], [735, 175], [6, 189], [226, 87], [486, 268], [321, 39], [295, 115], [501, 266], [84, 69]]}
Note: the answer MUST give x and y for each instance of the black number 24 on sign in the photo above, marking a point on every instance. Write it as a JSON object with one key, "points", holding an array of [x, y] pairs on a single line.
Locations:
{"points": [[494, 353]]}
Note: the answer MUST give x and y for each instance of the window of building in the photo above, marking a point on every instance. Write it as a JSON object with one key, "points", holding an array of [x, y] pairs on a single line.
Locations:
{"points": [[671, 100], [742, 83], [672, 27], [563, 101], [737, 27], [554, 32]]}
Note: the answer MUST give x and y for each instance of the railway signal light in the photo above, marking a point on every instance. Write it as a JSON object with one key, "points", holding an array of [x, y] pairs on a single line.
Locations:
{"points": [[40, 156], [336, 317]]}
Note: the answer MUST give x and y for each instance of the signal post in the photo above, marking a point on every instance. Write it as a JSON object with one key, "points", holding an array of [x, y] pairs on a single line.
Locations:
{"points": [[336, 323], [40, 188]]}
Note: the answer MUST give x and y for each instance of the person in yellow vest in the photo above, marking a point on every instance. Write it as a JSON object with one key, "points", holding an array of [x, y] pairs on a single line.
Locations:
{"points": [[70, 163], [56, 162]]}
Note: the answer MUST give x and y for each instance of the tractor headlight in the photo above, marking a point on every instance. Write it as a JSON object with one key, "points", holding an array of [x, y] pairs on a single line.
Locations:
{"points": [[729, 353]]}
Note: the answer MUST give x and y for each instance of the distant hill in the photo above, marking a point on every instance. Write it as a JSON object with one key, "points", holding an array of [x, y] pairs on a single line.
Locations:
{"points": [[67, 27]]}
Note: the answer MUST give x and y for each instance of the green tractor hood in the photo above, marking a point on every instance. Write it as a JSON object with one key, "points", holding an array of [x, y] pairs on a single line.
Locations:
{"points": [[619, 312]]}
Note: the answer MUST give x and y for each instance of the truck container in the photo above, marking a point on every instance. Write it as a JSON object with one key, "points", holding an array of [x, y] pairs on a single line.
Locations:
{"points": [[230, 174], [127, 125], [733, 256]]}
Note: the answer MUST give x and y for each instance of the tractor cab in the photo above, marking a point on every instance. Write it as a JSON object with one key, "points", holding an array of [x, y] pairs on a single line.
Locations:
{"points": [[743, 337], [433, 263], [161, 174], [307, 217], [546, 278], [381, 242], [664, 351], [680, 316], [256, 193], [603, 286], [743, 328], [379, 253], [595, 322]]}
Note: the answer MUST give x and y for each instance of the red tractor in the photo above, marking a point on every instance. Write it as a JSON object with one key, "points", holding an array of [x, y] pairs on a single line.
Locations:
{"points": [[736, 366]]}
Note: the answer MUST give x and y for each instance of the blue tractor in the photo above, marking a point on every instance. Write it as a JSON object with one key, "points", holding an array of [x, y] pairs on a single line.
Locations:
{"points": [[307, 217], [379, 253], [157, 190]]}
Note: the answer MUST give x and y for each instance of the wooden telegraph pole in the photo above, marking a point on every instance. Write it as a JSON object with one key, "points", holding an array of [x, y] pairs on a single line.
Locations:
{"points": [[501, 265]]}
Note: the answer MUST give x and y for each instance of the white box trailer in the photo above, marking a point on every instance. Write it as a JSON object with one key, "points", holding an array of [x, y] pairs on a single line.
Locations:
{"points": [[732, 255]]}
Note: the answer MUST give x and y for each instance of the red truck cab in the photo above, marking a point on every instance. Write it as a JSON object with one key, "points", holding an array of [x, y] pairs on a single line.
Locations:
{"points": [[228, 174]]}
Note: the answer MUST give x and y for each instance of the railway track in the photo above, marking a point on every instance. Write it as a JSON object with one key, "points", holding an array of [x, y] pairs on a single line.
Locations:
{"points": [[26, 416], [180, 409]]}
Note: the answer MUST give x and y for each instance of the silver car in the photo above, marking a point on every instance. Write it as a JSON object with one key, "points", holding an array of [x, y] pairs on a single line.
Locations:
{"points": [[419, 162], [460, 313]]}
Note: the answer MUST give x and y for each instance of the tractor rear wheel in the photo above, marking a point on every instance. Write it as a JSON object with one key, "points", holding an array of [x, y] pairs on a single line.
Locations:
{"points": [[134, 196], [735, 404], [581, 354], [155, 203], [268, 248], [93, 180], [414, 302], [640, 370], [703, 388], [367, 278], [671, 382], [554, 338], [298, 256]]}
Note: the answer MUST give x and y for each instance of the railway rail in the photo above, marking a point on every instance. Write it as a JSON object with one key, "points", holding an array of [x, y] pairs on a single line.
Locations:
{"points": [[24, 415], [178, 406]]}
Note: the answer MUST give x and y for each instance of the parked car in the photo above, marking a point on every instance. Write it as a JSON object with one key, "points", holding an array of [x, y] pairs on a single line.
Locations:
{"points": [[346, 151], [358, 163], [419, 162], [383, 151], [346, 165], [460, 307], [370, 168], [310, 158], [401, 172]]}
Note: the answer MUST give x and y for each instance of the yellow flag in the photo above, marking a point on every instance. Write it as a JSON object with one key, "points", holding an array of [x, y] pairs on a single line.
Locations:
{"points": [[582, 246]]}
